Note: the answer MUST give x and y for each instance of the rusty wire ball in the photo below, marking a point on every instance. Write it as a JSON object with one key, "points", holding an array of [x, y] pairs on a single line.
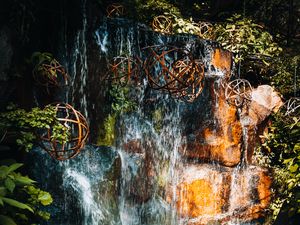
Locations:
{"points": [[162, 24], [115, 10], [77, 129], [238, 92], [205, 30], [124, 69], [173, 70], [50, 73], [292, 107], [189, 79]]}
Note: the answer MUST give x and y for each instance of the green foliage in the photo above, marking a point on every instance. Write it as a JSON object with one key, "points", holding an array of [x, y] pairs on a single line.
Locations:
{"points": [[147, 9], [20, 199], [181, 25], [107, 132], [246, 39], [282, 73], [120, 99], [282, 141], [27, 124], [120, 103]]}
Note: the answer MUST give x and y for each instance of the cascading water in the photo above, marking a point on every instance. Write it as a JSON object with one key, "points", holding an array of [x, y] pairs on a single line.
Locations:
{"points": [[153, 174]]}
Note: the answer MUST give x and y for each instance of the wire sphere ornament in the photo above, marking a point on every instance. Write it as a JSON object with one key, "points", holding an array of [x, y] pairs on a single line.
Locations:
{"points": [[115, 10], [205, 30], [50, 73], [293, 107], [77, 131], [124, 69], [189, 79], [173, 70], [162, 24], [238, 92]]}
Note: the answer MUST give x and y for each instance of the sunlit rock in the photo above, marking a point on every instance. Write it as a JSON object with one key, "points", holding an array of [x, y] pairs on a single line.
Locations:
{"points": [[265, 100], [207, 194], [203, 190], [221, 142]]}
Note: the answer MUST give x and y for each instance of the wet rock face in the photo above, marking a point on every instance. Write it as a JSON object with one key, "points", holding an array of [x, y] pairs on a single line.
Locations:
{"points": [[202, 191], [220, 142], [221, 191], [208, 194]]}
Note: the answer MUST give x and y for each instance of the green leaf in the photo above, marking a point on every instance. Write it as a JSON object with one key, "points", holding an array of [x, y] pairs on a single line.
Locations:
{"points": [[5, 220], [14, 167], [45, 198], [16, 204], [22, 216], [3, 191], [9, 184], [25, 180], [293, 168]]}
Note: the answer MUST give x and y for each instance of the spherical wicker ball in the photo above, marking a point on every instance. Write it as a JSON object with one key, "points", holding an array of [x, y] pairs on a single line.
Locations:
{"points": [[205, 30], [124, 69], [162, 24], [50, 73], [77, 129], [189, 79], [292, 107], [173, 70], [115, 10], [238, 92]]}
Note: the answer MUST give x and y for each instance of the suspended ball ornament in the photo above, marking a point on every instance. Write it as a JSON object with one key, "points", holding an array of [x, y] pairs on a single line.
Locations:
{"points": [[205, 30], [189, 79], [115, 10], [293, 107], [49, 72], [76, 129], [238, 92], [162, 24], [173, 70], [124, 69]]}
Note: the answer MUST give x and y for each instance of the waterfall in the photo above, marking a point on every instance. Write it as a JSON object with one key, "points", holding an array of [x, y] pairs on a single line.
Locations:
{"points": [[168, 163], [81, 184]]}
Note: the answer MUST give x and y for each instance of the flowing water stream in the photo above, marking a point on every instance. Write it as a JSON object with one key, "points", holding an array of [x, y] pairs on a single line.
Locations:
{"points": [[133, 182]]}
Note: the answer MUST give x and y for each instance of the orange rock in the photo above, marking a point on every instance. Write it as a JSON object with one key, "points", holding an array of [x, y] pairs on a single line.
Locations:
{"points": [[206, 194], [222, 60], [222, 142], [202, 191]]}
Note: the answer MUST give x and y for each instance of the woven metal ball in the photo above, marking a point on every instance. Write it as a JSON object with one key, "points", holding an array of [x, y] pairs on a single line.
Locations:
{"points": [[238, 92], [292, 107], [173, 70], [115, 10], [205, 30], [162, 24], [77, 129], [50, 74], [123, 70]]}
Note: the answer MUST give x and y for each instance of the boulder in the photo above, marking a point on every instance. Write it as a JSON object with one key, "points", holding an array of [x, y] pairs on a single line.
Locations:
{"points": [[202, 191], [206, 194], [221, 142], [265, 100]]}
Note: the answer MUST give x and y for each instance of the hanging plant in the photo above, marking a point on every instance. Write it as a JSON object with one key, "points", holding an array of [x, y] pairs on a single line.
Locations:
{"points": [[23, 126]]}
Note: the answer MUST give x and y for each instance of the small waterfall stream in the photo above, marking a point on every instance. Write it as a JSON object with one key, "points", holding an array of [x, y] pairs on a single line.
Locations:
{"points": [[148, 176]]}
